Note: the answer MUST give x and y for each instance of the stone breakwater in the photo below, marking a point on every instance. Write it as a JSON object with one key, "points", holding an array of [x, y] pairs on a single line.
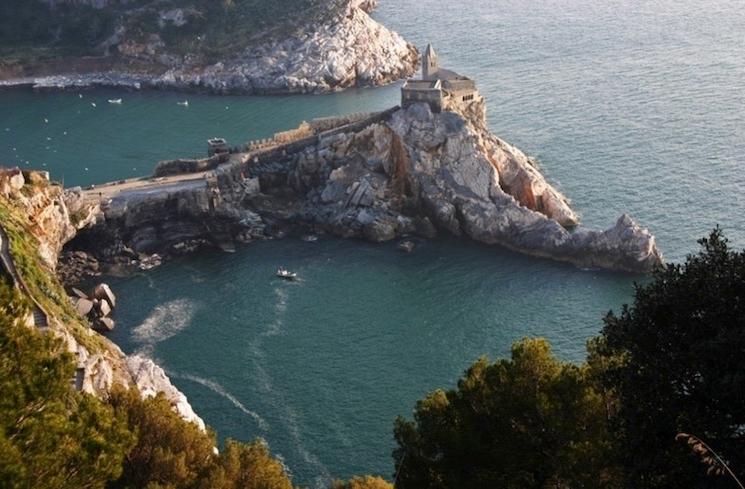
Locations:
{"points": [[399, 173], [350, 50]]}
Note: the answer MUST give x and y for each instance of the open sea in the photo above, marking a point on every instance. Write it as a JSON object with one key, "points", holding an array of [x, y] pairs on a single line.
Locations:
{"points": [[630, 106]]}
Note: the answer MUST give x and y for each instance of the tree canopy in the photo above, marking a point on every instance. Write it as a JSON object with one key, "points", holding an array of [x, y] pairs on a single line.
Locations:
{"points": [[50, 435], [660, 392], [527, 422], [173, 454], [366, 482], [675, 361]]}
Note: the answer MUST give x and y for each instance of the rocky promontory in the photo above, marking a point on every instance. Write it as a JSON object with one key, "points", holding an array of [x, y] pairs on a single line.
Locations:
{"points": [[37, 218], [378, 177], [340, 47]]}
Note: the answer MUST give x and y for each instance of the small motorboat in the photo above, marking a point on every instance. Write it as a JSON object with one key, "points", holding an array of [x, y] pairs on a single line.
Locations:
{"points": [[286, 274], [185, 103], [310, 238], [116, 101]]}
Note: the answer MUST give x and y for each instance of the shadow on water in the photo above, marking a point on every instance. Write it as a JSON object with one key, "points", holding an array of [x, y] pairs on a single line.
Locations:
{"points": [[317, 365]]}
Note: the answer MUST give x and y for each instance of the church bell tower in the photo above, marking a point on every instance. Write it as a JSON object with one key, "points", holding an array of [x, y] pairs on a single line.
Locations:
{"points": [[430, 64]]}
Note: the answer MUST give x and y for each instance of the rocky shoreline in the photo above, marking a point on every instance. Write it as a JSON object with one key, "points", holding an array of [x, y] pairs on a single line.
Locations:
{"points": [[349, 50], [392, 175], [46, 216], [381, 177]]}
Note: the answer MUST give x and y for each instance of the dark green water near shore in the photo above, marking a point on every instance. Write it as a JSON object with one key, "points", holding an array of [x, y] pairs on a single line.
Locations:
{"points": [[629, 106], [322, 367]]}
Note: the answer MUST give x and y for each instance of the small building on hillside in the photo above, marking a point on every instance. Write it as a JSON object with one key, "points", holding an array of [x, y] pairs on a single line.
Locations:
{"points": [[438, 87]]}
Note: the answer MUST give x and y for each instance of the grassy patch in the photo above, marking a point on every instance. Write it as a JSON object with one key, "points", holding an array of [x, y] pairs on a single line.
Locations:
{"points": [[42, 281]]}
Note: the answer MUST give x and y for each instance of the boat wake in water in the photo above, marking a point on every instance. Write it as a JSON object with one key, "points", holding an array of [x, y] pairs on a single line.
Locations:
{"points": [[275, 397], [220, 391], [165, 321]]}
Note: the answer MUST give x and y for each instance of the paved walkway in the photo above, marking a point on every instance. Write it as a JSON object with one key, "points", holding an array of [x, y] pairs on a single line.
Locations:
{"points": [[113, 189]]}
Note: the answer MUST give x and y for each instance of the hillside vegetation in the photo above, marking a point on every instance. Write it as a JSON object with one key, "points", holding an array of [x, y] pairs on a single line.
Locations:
{"points": [[657, 405], [36, 30]]}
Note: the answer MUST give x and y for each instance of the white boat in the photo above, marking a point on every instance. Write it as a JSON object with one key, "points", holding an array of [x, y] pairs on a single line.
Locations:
{"points": [[116, 101], [185, 103], [310, 238], [286, 274]]}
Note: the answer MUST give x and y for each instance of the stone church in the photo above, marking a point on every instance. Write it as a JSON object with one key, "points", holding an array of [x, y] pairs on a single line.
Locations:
{"points": [[440, 88]]}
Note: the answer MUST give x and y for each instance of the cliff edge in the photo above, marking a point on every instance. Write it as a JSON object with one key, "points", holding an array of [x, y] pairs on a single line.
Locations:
{"points": [[35, 222]]}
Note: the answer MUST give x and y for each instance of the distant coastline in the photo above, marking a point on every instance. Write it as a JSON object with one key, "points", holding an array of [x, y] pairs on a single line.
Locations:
{"points": [[346, 49]]}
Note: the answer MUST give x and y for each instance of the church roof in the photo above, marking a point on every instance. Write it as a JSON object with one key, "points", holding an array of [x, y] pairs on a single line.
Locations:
{"points": [[444, 74], [422, 84], [430, 50]]}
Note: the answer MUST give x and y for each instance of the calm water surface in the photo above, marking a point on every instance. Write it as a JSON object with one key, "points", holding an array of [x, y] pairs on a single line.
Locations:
{"points": [[629, 106]]}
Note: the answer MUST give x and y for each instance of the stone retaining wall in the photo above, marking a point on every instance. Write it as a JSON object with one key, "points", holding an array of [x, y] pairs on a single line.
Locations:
{"points": [[182, 166]]}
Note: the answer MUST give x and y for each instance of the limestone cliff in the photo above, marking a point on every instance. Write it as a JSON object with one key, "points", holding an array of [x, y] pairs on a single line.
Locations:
{"points": [[37, 218], [318, 48], [401, 172]]}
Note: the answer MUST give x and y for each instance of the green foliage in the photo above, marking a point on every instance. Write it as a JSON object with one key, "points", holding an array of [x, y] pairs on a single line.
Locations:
{"points": [[33, 23], [366, 482], [171, 453], [675, 362], [528, 422], [39, 278], [50, 435], [247, 466], [54, 437]]}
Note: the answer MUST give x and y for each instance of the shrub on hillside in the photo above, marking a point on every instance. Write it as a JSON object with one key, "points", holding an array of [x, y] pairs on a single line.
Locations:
{"points": [[366, 482], [50, 435]]}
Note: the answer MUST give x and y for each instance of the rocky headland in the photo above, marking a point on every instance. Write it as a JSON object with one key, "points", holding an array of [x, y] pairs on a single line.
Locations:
{"points": [[37, 218], [380, 177], [340, 47], [384, 176]]}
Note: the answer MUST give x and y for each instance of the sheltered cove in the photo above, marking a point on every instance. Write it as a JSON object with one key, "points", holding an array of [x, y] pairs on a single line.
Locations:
{"points": [[424, 168]]}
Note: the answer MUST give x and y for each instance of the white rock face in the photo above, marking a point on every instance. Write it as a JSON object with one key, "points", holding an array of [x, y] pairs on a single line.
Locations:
{"points": [[100, 371], [399, 172], [352, 50], [476, 184], [150, 379], [418, 168], [49, 211]]}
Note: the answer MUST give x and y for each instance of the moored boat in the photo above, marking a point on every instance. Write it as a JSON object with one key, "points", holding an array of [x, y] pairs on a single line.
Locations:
{"points": [[286, 274]]}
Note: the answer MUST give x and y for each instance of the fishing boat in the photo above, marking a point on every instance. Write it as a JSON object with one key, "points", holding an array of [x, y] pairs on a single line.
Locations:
{"points": [[286, 274], [116, 101]]}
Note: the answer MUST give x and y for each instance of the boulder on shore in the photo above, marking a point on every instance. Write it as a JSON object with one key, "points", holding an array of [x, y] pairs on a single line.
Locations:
{"points": [[103, 292], [84, 306], [103, 325], [103, 308]]}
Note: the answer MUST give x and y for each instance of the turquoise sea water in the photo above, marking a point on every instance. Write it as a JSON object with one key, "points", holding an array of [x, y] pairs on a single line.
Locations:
{"points": [[629, 106]]}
